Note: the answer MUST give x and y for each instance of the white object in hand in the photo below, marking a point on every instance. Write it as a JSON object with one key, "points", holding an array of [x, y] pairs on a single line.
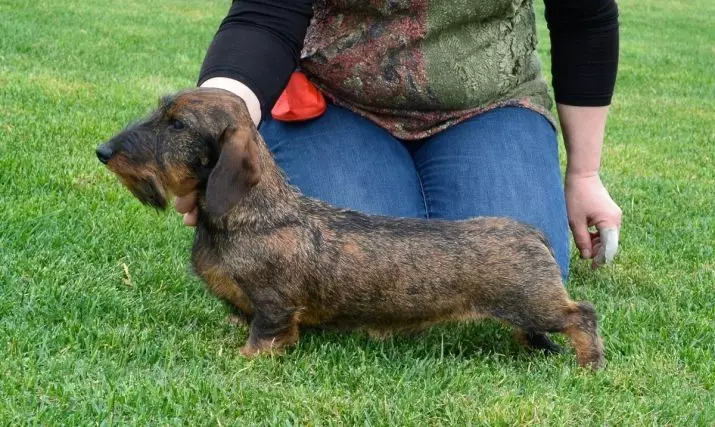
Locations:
{"points": [[609, 246]]}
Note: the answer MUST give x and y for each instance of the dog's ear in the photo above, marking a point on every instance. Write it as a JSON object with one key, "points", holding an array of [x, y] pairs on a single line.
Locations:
{"points": [[235, 173]]}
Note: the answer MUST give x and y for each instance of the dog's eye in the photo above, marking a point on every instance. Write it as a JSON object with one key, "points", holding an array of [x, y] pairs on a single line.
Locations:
{"points": [[175, 124]]}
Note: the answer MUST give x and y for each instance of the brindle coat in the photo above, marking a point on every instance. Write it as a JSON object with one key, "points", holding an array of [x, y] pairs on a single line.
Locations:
{"points": [[284, 260]]}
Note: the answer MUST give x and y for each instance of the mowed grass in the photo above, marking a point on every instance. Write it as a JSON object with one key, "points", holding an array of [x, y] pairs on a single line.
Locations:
{"points": [[102, 323]]}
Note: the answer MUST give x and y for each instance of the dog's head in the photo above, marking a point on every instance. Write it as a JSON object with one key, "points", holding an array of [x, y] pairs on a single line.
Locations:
{"points": [[196, 138]]}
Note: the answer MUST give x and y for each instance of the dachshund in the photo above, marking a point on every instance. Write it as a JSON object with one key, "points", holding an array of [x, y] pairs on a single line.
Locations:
{"points": [[286, 261]]}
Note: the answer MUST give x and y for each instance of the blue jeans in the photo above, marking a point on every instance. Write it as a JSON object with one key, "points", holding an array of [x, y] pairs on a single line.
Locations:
{"points": [[501, 163]]}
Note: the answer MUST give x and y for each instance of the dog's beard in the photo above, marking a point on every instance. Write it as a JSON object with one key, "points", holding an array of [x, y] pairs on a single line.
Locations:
{"points": [[148, 191]]}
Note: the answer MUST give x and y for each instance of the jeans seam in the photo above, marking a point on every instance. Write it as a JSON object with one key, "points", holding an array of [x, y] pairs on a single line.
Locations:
{"points": [[422, 190]]}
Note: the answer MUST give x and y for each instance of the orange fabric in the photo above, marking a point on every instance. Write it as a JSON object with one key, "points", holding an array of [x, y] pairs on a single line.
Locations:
{"points": [[300, 100]]}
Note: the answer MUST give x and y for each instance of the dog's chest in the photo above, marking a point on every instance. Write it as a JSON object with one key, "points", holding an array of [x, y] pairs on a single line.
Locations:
{"points": [[210, 247], [241, 256]]}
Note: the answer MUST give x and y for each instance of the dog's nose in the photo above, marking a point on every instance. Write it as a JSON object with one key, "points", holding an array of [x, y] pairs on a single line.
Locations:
{"points": [[104, 153]]}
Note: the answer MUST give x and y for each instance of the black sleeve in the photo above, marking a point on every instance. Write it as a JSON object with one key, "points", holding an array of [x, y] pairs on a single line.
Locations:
{"points": [[584, 50], [259, 44]]}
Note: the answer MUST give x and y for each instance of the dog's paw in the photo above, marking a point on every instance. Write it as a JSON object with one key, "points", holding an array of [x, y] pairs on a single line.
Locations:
{"points": [[249, 351], [236, 320]]}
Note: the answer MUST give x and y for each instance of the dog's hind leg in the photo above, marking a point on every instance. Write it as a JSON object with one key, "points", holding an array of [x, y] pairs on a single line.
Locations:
{"points": [[537, 341], [581, 328], [576, 320]]}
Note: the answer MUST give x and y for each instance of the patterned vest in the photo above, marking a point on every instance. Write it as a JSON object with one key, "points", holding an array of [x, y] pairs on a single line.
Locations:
{"points": [[416, 67]]}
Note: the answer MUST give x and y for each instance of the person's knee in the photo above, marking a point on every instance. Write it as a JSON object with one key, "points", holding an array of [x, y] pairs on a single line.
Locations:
{"points": [[344, 160], [482, 168]]}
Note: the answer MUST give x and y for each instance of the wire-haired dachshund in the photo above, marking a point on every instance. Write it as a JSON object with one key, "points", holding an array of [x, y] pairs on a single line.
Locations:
{"points": [[284, 260]]}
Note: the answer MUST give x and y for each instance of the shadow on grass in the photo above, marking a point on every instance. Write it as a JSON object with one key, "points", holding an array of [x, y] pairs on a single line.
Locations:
{"points": [[480, 342]]}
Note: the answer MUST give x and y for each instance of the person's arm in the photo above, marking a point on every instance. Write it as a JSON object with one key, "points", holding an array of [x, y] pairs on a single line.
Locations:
{"points": [[587, 199], [255, 50], [584, 61]]}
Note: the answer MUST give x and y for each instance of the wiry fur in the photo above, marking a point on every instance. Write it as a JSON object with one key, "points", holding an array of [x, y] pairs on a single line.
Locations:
{"points": [[284, 260]]}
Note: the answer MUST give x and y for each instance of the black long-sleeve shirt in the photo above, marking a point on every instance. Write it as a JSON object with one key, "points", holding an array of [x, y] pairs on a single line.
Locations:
{"points": [[259, 43]]}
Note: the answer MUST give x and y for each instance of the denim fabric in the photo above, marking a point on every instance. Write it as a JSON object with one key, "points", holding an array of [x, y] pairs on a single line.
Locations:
{"points": [[503, 162]]}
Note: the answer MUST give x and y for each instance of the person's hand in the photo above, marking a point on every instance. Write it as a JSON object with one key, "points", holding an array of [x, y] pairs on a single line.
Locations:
{"points": [[590, 205], [187, 206]]}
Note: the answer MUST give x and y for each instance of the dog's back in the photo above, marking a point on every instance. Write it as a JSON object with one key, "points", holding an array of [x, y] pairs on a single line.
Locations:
{"points": [[391, 272]]}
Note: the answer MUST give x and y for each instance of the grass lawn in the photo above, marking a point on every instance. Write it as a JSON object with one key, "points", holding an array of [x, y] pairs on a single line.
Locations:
{"points": [[101, 321]]}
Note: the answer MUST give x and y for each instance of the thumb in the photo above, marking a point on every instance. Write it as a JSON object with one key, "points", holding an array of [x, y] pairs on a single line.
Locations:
{"points": [[185, 204], [582, 237]]}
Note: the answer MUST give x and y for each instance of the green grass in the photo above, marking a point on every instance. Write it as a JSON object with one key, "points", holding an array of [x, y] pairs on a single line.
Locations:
{"points": [[101, 321]]}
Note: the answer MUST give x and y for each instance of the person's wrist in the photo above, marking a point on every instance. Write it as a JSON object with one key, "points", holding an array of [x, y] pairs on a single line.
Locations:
{"points": [[242, 91], [581, 174]]}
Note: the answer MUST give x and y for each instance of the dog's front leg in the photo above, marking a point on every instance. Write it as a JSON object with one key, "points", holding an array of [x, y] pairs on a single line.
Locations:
{"points": [[272, 330]]}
